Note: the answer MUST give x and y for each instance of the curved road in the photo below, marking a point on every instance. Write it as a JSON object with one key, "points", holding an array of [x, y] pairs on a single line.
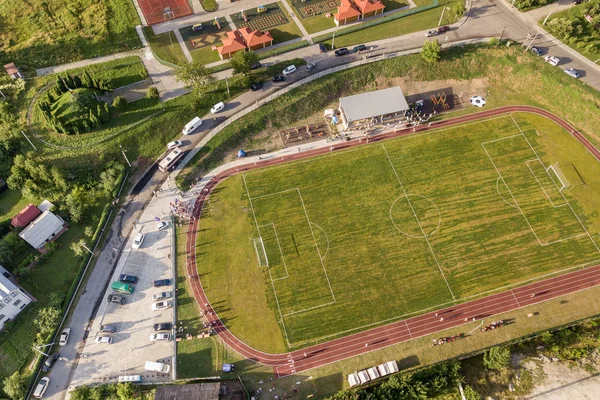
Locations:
{"points": [[403, 330]]}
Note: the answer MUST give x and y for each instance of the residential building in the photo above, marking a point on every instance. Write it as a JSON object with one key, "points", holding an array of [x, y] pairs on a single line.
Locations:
{"points": [[243, 39], [368, 108], [354, 10], [12, 298], [25, 216], [191, 391], [44, 229], [13, 71]]}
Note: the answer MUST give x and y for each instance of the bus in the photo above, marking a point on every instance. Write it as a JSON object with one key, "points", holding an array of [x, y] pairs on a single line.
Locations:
{"points": [[170, 160]]}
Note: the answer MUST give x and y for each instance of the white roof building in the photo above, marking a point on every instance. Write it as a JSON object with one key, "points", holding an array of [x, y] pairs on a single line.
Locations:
{"points": [[43, 229], [12, 298], [353, 379], [380, 103]]}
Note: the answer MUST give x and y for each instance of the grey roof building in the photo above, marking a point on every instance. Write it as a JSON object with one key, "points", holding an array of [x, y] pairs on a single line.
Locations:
{"points": [[194, 391], [360, 108]]}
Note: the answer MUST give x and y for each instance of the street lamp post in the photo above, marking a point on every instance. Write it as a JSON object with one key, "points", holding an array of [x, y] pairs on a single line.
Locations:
{"points": [[123, 152], [333, 41], [87, 248], [37, 348]]}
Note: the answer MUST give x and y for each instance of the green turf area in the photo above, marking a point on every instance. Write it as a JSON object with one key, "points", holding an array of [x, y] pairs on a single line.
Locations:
{"points": [[344, 247], [11, 202], [165, 46], [40, 33], [318, 23], [205, 55], [394, 4]]}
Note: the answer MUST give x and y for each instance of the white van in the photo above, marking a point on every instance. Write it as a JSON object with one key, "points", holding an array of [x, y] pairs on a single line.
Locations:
{"points": [[191, 126], [157, 367]]}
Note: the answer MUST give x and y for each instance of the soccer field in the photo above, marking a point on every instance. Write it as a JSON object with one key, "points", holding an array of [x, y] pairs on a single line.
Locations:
{"points": [[334, 244]]}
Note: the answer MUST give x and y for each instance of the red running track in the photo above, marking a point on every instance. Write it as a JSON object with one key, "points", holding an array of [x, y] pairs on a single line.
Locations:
{"points": [[396, 332]]}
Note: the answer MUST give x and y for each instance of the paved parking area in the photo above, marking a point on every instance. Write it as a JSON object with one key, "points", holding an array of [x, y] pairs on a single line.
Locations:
{"points": [[134, 320]]}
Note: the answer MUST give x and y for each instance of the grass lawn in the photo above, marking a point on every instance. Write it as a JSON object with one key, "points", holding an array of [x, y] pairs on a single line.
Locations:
{"points": [[286, 32], [165, 46], [310, 214], [41, 33], [121, 72], [317, 23], [394, 4], [401, 26], [583, 39], [205, 55], [11, 202]]}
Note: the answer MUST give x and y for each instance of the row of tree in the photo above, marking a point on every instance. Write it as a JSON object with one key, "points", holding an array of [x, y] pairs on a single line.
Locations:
{"points": [[583, 32]]}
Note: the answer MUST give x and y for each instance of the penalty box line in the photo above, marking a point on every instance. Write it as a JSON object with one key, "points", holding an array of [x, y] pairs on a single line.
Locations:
{"points": [[287, 275], [540, 183], [561, 193], [418, 222]]}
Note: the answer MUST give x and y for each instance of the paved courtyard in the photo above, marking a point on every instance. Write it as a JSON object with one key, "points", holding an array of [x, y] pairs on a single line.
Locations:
{"points": [[134, 320]]}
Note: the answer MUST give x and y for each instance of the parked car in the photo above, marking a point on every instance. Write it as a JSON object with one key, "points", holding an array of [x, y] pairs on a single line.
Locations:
{"points": [[322, 48], [41, 387], [163, 326], [128, 278], [107, 329], [162, 305], [278, 78], [174, 144], [360, 47], [431, 33], [572, 72], [577, 2], [104, 339], [50, 362], [552, 60], [537, 50], [115, 298], [162, 282], [256, 86], [290, 69], [310, 66], [138, 240], [162, 296], [162, 225], [64, 337], [477, 101], [256, 65], [443, 29], [341, 52], [217, 107], [155, 337]]}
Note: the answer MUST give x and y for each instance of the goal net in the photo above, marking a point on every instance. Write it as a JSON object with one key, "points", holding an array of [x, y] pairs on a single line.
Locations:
{"points": [[557, 175], [261, 254]]}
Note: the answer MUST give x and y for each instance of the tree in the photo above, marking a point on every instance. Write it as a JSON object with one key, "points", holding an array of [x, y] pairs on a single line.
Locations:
{"points": [[125, 391], [431, 51], [152, 92], [194, 74], [496, 358], [242, 62], [77, 248], [561, 27], [15, 386], [80, 393], [88, 231], [47, 319], [119, 102], [60, 84]]}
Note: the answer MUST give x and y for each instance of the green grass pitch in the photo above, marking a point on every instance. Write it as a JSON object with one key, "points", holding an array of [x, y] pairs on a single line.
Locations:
{"points": [[366, 236]]}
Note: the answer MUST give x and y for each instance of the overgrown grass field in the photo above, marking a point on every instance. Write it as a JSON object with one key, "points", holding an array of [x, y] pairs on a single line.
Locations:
{"points": [[365, 236]]}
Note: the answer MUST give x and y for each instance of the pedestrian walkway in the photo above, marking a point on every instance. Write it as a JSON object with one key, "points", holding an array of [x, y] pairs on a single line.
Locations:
{"points": [[184, 48], [305, 34], [56, 69]]}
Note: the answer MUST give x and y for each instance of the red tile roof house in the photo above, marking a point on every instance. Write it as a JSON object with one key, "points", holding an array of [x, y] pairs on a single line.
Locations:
{"points": [[13, 71], [243, 39], [353, 10], [25, 216]]}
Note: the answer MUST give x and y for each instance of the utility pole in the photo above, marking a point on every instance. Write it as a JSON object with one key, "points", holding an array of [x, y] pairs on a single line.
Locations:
{"points": [[28, 140], [502, 34], [123, 152], [2, 94], [546, 19], [87, 248], [227, 83], [442, 16], [37, 348], [171, 37], [333, 41], [532, 40]]}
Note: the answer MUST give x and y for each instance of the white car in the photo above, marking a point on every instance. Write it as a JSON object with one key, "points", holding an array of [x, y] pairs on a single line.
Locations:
{"points": [[289, 70], [155, 337], [138, 240], [477, 101], [572, 72], [431, 33], [552, 60], [104, 339], [162, 296], [174, 144], [162, 305], [64, 337], [162, 225], [217, 107], [41, 387]]}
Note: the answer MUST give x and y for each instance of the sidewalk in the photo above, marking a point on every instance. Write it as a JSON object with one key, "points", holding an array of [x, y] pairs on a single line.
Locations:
{"points": [[84, 63]]}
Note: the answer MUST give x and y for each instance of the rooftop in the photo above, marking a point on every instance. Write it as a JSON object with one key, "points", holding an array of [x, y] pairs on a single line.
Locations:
{"points": [[25, 216], [195, 391], [233, 42], [11, 68], [373, 104]]}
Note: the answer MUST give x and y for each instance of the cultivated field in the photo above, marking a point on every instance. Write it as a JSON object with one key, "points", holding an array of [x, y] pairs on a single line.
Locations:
{"points": [[366, 236]]}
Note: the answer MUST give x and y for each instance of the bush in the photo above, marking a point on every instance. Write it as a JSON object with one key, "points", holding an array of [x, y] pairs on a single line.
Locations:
{"points": [[152, 93], [210, 5], [119, 102], [494, 41], [496, 358]]}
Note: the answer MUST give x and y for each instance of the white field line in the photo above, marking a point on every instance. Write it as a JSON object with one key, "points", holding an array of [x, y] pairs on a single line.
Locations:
{"points": [[274, 194], [271, 278], [287, 274], [561, 193], [540, 183], [515, 297], [326, 237], [502, 197], [418, 222]]}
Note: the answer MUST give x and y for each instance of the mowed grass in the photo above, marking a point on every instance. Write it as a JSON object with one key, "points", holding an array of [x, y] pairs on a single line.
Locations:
{"points": [[346, 251]]}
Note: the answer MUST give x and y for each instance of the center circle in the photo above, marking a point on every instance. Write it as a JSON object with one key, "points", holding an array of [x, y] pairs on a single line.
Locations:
{"points": [[415, 216]]}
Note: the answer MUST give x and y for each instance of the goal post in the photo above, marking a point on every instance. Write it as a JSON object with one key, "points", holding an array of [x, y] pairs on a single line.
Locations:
{"points": [[556, 172], [261, 253]]}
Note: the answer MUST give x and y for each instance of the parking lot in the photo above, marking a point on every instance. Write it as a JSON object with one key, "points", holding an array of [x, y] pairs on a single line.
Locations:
{"points": [[133, 320]]}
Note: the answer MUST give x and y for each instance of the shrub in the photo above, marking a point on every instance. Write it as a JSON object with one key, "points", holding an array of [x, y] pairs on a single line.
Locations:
{"points": [[210, 5], [152, 93], [496, 358], [119, 102], [494, 41]]}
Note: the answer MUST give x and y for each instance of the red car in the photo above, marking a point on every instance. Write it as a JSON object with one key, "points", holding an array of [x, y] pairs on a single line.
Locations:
{"points": [[443, 29]]}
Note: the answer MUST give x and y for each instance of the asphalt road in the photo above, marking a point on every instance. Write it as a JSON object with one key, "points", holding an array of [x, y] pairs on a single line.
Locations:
{"points": [[486, 18]]}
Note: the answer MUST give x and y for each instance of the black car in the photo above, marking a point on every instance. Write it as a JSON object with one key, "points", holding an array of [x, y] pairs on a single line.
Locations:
{"points": [[322, 48], [115, 298], [577, 2], [360, 47], [163, 326], [537, 50], [341, 52], [256, 86], [50, 362], [162, 282], [278, 78], [128, 278], [256, 65]]}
